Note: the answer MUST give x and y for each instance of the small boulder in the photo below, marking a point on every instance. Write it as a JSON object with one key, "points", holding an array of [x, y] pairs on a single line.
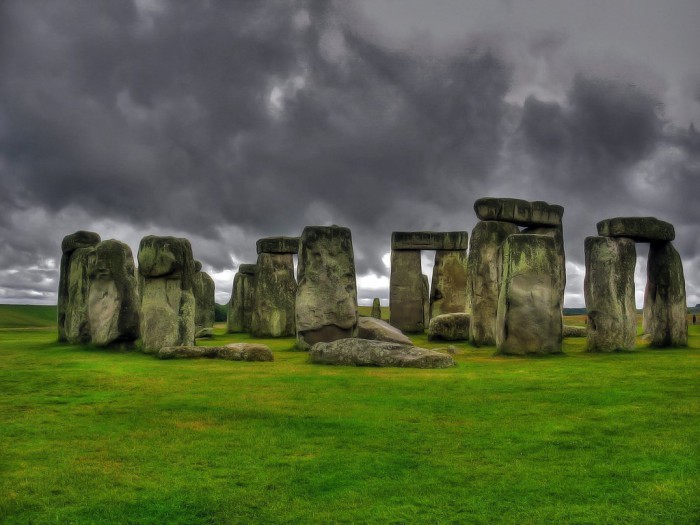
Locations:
{"points": [[574, 331], [361, 352], [378, 330], [232, 352], [204, 333], [449, 327]]}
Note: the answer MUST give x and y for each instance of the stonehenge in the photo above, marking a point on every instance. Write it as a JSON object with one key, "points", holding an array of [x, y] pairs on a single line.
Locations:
{"points": [[448, 291], [240, 306], [376, 308], [204, 289]]}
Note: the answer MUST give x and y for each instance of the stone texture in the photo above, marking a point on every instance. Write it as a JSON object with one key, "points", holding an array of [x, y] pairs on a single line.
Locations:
{"points": [[664, 297], [609, 292], [70, 312], [378, 330], [429, 241], [449, 327], [639, 229], [203, 333], [113, 303], [278, 245], [406, 291], [361, 352], [204, 290], [232, 352], [528, 319], [376, 308], [556, 232], [425, 295], [274, 296], [76, 320], [448, 292], [326, 300], [574, 331], [166, 277], [240, 307], [520, 212], [247, 269], [483, 267]]}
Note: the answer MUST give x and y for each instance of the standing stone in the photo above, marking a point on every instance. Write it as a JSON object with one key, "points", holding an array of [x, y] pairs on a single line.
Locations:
{"points": [[240, 307], [73, 286], [556, 233], [204, 291], [166, 276], [376, 308], [448, 293], [274, 296], [113, 301], [528, 319], [326, 300], [483, 267], [406, 291], [665, 297], [609, 292], [425, 293]]}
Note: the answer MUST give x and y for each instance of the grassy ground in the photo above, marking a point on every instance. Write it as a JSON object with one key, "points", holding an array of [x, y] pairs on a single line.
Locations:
{"points": [[27, 316], [95, 436]]}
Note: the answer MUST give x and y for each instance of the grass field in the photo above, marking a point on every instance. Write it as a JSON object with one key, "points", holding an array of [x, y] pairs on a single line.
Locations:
{"points": [[96, 436]]}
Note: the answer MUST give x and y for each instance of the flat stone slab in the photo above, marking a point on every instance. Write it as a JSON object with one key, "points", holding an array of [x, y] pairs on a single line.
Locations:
{"points": [[362, 352], [232, 352], [574, 331], [247, 269], [639, 229], [378, 330], [449, 327], [429, 241], [518, 211], [278, 245]]}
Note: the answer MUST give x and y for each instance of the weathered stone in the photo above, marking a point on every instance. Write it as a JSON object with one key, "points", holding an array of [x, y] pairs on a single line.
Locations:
{"points": [[609, 293], [247, 269], [166, 276], [429, 241], [326, 301], [376, 308], [232, 352], [204, 291], [76, 320], [378, 330], [278, 245], [274, 296], [204, 333], [528, 320], [449, 327], [556, 233], [113, 301], [406, 291], [361, 352], [425, 295], [197, 266], [72, 242], [665, 296], [483, 267], [240, 307], [448, 292], [574, 331], [520, 212], [639, 229]]}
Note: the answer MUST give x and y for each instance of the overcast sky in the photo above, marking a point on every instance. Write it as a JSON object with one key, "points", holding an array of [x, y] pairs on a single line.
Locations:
{"points": [[224, 122]]}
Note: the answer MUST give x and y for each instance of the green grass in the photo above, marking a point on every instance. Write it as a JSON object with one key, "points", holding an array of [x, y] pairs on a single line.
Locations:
{"points": [[27, 316], [100, 436]]}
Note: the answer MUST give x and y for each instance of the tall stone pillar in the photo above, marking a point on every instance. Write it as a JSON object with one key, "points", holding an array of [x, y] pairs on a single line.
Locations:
{"points": [[204, 291], [448, 293], [240, 307], [406, 291]]}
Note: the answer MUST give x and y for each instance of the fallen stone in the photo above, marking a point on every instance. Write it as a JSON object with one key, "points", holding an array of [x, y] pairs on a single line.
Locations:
{"points": [[639, 229], [376, 308], [278, 245], [429, 241], [520, 212], [378, 330], [274, 296], [361, 352], [448, 292], [204, 333], [232, 352], [573, 331], [449, 327]]}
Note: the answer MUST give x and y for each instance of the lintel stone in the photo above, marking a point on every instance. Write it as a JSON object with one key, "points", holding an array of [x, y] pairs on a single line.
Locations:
{"points": [[429, 240], [278, 245], [518, 211], [639, 229]]}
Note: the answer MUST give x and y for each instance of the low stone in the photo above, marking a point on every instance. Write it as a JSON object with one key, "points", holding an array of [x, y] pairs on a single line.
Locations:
{"points": [[204, 333], [187, 352], [429, 240], [639, 229], [361, 352], [573, 331], [232, 352], [449, 327], [376, 308], [278, 245], [378, 330], [520, 212]]}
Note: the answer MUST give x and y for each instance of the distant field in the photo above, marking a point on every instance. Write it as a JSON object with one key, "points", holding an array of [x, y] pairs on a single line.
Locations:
{"points": [[27, 316]]}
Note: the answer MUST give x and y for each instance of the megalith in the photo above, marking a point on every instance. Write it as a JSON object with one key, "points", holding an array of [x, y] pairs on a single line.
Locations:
{"points": [[425, 295], [166, 275], [556, 233], [326, 299], [406, 291], [528, 319], [664, 297], [275, 288], [240, 307], [483, 267], [609, 293], [376, 308], [204, 291], [73, 286], [113, 300], [520, 212], [448, 291]]}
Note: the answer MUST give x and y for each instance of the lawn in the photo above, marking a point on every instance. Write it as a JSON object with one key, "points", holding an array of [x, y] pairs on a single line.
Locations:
{"points": [[99, 436]]}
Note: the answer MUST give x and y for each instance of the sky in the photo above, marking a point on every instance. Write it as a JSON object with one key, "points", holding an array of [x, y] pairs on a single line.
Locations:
{"points": [[225, 122]]}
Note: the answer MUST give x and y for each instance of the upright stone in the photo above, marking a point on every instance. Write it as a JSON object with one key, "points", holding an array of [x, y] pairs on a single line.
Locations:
{"points": [[113, 300], [204, 291], [166, 276], [528, 319], [240, 307], [664, 298], [326, 300], [406, 291], [274, 296], [425, 293], [448, 293], [609, 293], [556, 233], [73, 286], [376, 308], [483, 267]]}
